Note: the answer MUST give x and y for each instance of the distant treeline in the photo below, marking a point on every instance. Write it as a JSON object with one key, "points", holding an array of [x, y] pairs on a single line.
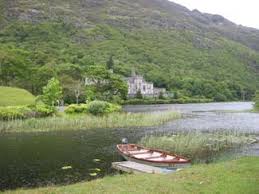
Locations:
{"points": [[31, 54]]}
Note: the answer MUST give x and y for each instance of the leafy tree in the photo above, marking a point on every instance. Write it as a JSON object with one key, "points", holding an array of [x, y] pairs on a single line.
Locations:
{"points": [[73, 89], [103, 84], [52, 92]]}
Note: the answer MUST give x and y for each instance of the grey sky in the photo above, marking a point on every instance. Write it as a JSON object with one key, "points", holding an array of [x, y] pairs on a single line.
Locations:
{"points": [[241, 12]]}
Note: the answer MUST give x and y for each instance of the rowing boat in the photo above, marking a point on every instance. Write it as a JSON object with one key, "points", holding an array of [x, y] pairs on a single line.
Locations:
{"points": [[158, 158]]}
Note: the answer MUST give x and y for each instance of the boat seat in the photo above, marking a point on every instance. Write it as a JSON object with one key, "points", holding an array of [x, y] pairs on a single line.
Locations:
{"points": [[138, 153], [152, 157]]}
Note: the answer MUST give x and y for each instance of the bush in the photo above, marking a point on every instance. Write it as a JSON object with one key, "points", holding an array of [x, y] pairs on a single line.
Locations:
{"points": [[220, 98], [102, 107], [14, 112], [25, 112], [77, 108], [42, 110]]}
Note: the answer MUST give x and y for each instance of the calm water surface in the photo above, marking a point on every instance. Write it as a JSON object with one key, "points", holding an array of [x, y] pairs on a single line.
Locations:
{"points": [[36, 159]]}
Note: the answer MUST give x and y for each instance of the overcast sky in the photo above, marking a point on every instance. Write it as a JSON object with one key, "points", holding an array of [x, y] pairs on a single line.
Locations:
{"points": [[244, 12]]}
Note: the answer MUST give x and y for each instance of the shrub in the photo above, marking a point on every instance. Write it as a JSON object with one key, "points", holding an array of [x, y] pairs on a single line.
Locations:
{"points": [[220, 98], [77, 108], [42, 110], [25, 112], [102, 107], [14, 112]]}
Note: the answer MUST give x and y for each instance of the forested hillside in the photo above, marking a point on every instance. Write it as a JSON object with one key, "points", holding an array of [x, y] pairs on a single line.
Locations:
{"points": [[186, 51]]}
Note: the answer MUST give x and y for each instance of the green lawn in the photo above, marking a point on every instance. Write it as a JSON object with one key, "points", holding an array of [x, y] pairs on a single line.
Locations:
{"points": [[15, 97], [237, 176]]}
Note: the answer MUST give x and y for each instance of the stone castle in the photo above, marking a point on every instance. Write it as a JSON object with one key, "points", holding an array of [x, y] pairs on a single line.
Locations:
{"points": [[138, 83]]}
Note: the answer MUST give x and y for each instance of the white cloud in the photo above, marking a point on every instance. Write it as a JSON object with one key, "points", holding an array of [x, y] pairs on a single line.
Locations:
{"points": [[239, 11]]}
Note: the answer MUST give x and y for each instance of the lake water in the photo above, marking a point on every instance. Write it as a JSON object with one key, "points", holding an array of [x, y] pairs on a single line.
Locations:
{"points": [[236, 116], [36, 159]]}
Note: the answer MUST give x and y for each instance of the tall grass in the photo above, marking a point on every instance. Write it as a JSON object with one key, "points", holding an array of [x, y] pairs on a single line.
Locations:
{"points": [[113, 120], [196, 145]]}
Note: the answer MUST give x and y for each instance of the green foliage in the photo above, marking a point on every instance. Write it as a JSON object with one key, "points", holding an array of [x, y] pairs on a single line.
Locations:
{"points": [[14, 112], [176, 95], [94, 107], [43, 110], [170, 59], [15, 97], [104, 85], [161, 96], [110, 63], [25, 112], [102, 107], [76, 108], [139, 95], [220, 98], [52, 92], [256, 100], [73, 87]]}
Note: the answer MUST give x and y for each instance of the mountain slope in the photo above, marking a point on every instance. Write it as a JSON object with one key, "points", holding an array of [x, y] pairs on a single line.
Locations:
{"points": [[172, 46]]}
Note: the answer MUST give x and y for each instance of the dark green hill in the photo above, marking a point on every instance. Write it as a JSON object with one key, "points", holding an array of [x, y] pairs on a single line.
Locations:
{"points": [[194, 53]]}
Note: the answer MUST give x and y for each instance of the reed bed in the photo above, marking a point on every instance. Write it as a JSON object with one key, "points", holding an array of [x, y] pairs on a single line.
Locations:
{"points": [[197, 146], [65, 122]]}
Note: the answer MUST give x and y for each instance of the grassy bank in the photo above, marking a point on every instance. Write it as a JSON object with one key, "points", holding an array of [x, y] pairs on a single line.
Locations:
{"points": [[113, 120], [15, 97], [238, 176], [198, 146]]}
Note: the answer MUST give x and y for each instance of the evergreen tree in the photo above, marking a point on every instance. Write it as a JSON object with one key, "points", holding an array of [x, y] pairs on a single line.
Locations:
{"points": [[110, 63]]}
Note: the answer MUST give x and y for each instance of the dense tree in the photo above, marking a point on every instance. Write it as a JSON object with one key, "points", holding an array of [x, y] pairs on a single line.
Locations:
{"points": [[102, 84]]}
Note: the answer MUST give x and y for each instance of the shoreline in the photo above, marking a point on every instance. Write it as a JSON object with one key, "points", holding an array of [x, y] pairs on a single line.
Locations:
{"points": [[232, 176]]}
